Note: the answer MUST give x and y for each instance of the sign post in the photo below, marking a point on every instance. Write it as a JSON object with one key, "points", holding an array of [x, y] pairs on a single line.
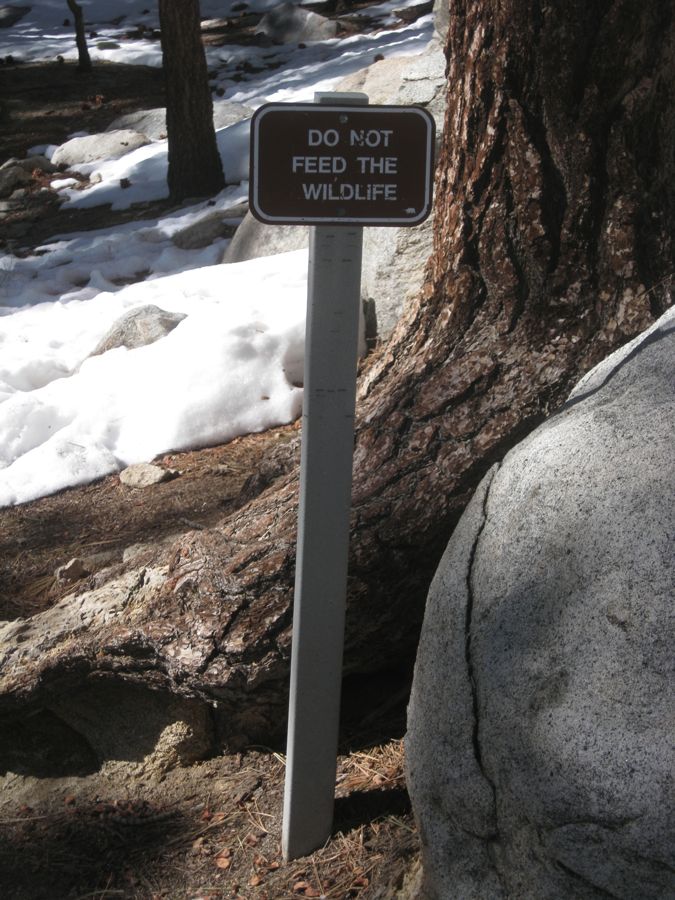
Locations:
{"points": [[337, 164]]}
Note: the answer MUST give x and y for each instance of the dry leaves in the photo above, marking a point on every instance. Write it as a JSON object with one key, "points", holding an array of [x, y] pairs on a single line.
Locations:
{"points": [[198, 845], [212, 818], [223, 859]]}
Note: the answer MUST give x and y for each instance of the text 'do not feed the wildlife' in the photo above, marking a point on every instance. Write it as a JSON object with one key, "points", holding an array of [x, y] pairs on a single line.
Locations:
{"points": [[341, 165]]}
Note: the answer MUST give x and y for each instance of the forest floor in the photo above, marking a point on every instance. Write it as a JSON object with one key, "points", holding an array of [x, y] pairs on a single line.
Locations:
{"points": [[212, 829], [209, 830]]}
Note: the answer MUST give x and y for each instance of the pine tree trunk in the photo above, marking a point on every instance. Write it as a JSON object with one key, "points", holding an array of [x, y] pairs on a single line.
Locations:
{"points": [[84, 60], [554, 229], [195, 168], [553, 246]]}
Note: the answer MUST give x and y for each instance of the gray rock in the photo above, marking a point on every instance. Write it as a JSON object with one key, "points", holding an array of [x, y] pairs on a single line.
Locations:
{"points": [[539, 738], [414, 12], [253, 239], [10, 14], [204, 231], [92, 147], [12, 178], [381, 81], [30, 163], [441, 19], [237, 212], [152, 122], [145, 475], [139, 327], [405, 81], [72, 571], [225, 113], [290, 24], [394, 260]]}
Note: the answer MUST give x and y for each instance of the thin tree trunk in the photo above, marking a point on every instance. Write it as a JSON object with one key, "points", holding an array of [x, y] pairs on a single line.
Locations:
{"points": [[84, 61], [195, 168]]}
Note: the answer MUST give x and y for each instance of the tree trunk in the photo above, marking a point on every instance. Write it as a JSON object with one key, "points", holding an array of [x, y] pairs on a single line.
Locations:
{"points": [[195, 168], [553, 246], [84, 61]]}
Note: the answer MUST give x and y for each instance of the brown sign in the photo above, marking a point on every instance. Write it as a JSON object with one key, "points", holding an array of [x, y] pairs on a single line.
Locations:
{"points": [[341, 165]]}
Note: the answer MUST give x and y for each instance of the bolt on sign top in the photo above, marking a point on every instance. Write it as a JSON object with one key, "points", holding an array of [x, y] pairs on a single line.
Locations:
{"points": [[341, 165]]}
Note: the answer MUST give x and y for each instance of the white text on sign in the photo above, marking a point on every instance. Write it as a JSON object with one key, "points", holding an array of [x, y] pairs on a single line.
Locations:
{"points": [[368, 165], [345, 191], [337, 165], [371, 137]]}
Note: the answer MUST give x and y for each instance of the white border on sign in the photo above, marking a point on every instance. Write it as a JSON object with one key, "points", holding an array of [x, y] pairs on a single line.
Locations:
{"points": [[342, 220]]}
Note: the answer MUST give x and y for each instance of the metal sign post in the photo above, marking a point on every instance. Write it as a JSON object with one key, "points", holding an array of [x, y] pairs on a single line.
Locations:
{"points": [[337, 164], [323, 536], [331, 341]]}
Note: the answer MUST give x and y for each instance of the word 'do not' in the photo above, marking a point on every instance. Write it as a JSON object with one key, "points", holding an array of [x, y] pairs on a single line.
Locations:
{"points": [[373, 137]]}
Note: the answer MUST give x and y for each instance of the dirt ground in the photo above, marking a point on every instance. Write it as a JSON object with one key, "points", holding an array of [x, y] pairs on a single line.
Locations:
{"points": [[210, 829], [99, 521]]}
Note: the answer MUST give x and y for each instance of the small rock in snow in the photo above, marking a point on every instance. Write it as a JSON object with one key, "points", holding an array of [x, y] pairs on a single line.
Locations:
{"points": [[138, 327], [145, 475]]}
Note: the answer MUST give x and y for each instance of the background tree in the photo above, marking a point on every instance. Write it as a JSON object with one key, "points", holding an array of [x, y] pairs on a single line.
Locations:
{"points": [[554, 227], [84, 60], [195, 168]]}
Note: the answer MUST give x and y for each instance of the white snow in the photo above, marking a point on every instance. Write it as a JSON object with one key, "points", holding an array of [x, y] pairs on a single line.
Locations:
{"points": [[227, 369], [234, 364]]}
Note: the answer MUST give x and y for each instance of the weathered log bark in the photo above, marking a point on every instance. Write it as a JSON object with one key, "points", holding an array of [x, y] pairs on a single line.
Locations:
{"points": [[195, 169], [553, 246]]}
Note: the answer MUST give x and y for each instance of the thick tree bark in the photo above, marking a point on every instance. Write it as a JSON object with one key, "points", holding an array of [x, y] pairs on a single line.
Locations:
{"points": [[195, 168], [553, 246], [84, 60]]}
